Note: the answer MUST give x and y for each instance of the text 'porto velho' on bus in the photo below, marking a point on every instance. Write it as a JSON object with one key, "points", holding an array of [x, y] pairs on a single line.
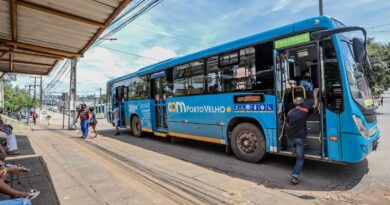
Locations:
{"points": [[238, 94]]}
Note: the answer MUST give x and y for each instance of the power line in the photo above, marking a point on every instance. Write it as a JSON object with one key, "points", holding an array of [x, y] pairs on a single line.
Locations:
{"points": [[125, 20], [175, 36], [132, 54], [382, 31], [378, 26]]}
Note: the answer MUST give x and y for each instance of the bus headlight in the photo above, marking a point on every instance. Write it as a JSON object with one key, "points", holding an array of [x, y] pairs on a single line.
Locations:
{"points": [[360, 125]]}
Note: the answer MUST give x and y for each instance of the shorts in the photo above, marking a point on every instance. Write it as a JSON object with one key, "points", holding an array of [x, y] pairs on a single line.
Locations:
{"points": [[116, 122]]}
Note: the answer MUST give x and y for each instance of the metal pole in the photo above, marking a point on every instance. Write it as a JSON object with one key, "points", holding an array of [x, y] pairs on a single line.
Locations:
{"points": [[28, 111], [63, 116], [321, 8], [35, 90], [72, 94], [41, 96], [100, 95], [1, 94]]}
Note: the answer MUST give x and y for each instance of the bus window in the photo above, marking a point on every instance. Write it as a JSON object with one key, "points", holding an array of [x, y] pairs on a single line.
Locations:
{"points": [[254, 72], [189, 79], [168, 89], [214, 76], [138, 88], [264, 68]]}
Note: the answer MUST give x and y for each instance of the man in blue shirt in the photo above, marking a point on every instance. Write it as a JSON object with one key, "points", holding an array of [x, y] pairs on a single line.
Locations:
{"points": [[306, 82]]}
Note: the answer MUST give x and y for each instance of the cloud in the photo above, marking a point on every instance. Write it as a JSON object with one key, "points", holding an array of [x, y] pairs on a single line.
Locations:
{"points": [[280, 4], [157, 53]]}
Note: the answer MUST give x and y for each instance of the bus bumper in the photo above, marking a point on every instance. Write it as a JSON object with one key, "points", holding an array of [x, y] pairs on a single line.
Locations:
{"points": [[355, 148]]}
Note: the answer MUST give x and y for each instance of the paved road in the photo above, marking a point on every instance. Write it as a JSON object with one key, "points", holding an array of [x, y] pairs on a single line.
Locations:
{"points": [[367, 180]]}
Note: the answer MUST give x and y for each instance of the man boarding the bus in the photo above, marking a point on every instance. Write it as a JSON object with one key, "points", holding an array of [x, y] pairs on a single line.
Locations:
{"points": [[297, 131]]}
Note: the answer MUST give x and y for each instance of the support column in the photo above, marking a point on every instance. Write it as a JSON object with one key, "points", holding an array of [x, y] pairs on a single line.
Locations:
{"points": [[72, 95], [35, 91], [1, 94], [41, 96]]}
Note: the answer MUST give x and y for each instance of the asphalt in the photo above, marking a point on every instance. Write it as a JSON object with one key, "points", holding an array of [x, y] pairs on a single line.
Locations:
{"points": [[367, 180]]}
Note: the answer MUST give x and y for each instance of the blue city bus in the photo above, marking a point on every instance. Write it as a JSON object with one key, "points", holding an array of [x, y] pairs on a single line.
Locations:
{"points": [[238, 94]]}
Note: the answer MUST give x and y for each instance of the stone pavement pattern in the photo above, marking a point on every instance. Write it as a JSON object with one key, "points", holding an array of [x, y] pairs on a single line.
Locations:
{"points": [[84, 173]]}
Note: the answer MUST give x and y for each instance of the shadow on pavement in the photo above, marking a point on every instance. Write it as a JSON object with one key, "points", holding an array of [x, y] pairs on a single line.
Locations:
{"points": [[272, 172], [38, 178], [24, 146]]}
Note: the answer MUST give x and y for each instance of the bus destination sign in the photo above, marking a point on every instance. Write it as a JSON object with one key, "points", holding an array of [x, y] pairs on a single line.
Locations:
{"points": [[252, 98], [292, 40]]}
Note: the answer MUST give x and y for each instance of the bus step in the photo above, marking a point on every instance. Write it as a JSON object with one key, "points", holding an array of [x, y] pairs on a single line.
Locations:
{"points": [[308, 154], [161, 134]]}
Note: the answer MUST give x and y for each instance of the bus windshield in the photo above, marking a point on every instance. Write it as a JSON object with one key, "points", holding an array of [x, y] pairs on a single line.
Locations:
{"points": [[357, 76]]}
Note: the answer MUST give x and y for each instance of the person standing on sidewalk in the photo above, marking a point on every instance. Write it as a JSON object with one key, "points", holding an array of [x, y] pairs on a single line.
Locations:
{"points": [[93, 121], [297, 131], [84, 120], [116, 118]]}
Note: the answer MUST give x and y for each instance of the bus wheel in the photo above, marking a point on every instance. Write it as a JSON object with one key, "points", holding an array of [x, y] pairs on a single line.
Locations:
{"points": [[136, 127], [248, 142]]}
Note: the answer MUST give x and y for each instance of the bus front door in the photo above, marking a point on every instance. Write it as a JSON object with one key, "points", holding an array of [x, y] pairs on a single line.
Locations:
{"points": [[297, 75], [159, 105]]}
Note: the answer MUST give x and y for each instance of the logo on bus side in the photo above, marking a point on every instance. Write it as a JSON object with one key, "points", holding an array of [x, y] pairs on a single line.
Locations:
{"points": [[182, 107]]}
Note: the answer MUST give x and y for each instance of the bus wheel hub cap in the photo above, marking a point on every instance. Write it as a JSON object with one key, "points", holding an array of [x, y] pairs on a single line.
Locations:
{"points": [[247, 142]]}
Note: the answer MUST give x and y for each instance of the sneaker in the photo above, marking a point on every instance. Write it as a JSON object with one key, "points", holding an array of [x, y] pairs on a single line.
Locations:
{"points": [[294, 181], [116, 134], [33, 194]]}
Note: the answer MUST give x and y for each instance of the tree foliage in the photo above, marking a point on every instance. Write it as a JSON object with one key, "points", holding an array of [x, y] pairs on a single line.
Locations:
{"points": [[15, 98], [379, 55]]}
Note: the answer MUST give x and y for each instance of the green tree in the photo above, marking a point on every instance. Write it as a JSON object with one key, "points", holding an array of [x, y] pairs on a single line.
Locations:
{"points": [[15, 98], [379, 55]]}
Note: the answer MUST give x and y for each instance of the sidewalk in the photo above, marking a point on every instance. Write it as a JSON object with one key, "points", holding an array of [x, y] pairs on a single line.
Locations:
{"points": [[203, 184]]}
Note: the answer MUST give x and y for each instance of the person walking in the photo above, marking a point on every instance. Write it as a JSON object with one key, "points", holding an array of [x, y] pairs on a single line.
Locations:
{"points": [[297, 131], [34, 116], [93, 121], [83, 114], [110, 115], [382, 100], [116, 118]]}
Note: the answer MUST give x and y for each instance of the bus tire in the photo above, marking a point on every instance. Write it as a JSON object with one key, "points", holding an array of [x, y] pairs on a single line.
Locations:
{"points": [[248, 143], [136, 128]]}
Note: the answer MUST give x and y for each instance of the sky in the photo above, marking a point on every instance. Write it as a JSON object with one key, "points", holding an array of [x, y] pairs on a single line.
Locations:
{"points": [[180, 27]]}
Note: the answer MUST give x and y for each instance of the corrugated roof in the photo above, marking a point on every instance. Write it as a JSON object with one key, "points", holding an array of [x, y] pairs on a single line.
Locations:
{"points": [[36, 34]]}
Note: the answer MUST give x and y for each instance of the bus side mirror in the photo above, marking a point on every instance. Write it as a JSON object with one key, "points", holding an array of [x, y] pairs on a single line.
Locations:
{"points": [[359, 50]]}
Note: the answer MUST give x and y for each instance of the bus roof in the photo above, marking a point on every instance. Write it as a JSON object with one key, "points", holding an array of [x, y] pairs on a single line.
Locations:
{"points": [[324, 22]]}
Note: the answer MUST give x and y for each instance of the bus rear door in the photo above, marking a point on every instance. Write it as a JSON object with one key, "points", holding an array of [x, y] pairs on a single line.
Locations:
{"points": [[158, 105]]}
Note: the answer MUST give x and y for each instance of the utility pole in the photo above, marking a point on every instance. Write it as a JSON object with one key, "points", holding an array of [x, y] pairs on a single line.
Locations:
{"points": [[100, 95], [35, 86], [28, 111], [72, 95], [321, 8], [41, 96]]}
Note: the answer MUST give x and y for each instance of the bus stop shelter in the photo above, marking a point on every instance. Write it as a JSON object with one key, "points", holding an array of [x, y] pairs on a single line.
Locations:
{"points": [[35, 35]]}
